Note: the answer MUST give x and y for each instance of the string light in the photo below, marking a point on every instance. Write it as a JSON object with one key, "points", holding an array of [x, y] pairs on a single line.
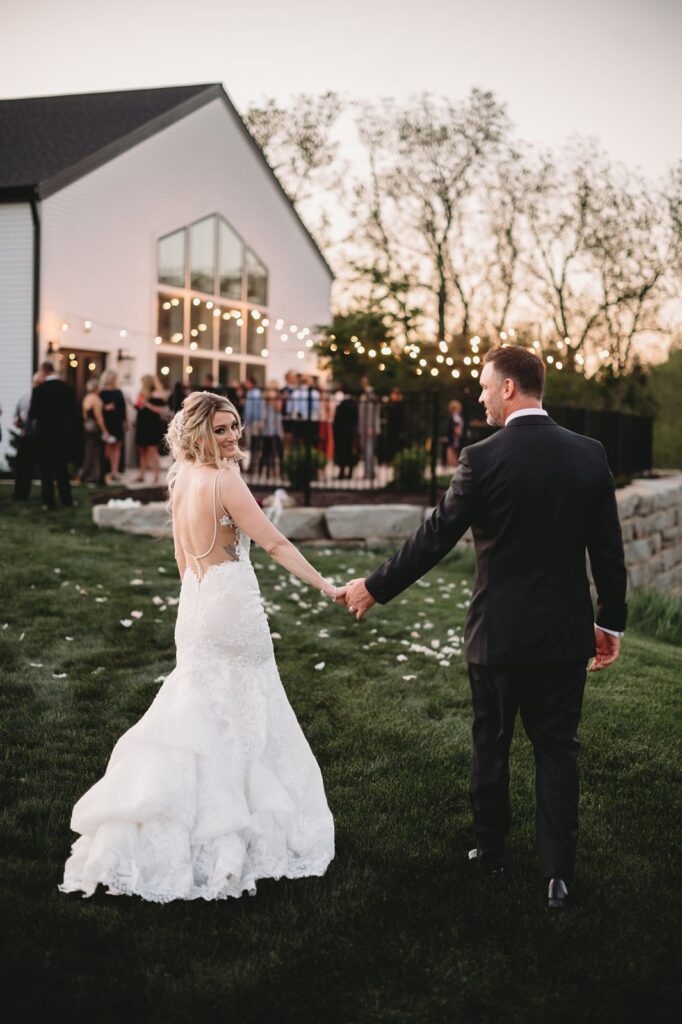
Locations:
{"points": [[455, 374], [474, 374]]}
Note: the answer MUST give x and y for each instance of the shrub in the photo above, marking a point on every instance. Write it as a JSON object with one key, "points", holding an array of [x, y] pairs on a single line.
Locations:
{"points": [[408, 468], [301, 468]]}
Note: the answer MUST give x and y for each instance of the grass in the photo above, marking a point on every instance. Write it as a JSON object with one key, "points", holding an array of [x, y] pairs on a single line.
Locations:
{"points": [[656, 615], [397, 930]]}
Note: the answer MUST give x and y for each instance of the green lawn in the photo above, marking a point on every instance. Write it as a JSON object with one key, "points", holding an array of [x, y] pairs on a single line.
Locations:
{"points": [[398, 930]]}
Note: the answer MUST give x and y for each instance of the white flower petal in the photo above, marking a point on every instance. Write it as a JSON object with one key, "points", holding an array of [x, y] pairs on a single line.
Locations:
{"points": [[320, 665], [136, 615], [126, 623]]}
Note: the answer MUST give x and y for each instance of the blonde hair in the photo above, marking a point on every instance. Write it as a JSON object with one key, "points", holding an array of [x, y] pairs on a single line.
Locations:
{"points": [[190, 436], [108, 377], [148, 385]]}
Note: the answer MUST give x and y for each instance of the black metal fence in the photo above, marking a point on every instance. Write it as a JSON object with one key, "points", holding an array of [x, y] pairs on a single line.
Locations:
{"points": [[312, 440]]}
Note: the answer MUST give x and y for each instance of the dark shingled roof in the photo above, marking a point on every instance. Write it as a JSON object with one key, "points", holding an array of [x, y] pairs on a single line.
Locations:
{"points": [[44, 137], [47, 142]]}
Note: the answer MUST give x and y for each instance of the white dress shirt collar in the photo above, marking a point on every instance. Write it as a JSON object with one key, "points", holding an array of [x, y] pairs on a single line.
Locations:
{"points": [[525, 412]]}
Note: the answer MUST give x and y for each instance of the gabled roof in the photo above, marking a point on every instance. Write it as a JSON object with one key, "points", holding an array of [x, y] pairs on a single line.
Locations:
{"points": [[47, 142]]}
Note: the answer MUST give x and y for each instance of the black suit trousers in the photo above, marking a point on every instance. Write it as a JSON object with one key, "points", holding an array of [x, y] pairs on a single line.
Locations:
{"points": [[53, 456], [549, 698]]}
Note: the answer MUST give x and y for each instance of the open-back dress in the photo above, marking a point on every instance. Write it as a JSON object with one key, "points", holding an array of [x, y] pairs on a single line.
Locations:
{"points": [[216, 785]]}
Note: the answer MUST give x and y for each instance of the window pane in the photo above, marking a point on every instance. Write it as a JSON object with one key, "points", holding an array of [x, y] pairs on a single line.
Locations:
{"points": [[202, 255], [230, 335], [199, 373], [257, 373], [169, 370], [256, 337], [201, 323], [231, 261], [171, 255], [170, 318], [228, 374], [257, 280]]}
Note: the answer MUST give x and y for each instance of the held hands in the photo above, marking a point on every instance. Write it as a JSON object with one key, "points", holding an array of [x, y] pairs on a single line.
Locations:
{"points": [[356, 597], [608, 649]]}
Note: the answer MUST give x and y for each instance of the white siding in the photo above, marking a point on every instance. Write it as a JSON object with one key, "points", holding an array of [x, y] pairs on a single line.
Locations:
{"points": [[16, 311], [99, 254]]}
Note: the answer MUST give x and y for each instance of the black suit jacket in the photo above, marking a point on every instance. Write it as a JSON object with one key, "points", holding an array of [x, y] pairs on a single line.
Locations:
{"points": [[53, 409], [537, 497]]}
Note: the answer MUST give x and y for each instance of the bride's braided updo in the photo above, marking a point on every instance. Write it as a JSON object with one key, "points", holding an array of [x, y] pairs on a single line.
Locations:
{"points": [[190, 435]]}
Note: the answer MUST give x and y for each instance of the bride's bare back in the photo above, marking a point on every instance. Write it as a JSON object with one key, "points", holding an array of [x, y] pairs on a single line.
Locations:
{"points": [[203, 528], [214, 511]]}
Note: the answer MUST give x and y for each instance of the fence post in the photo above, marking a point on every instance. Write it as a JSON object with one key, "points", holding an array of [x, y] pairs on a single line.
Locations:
{"points": [[308, 450], [434, 448]]}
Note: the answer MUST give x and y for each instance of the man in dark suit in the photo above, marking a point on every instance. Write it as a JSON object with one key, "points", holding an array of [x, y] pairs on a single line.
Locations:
{"points": [[53, 410], [536, 497]]}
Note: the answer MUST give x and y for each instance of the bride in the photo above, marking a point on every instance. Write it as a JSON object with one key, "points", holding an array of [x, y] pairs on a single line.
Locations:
{"points": [[215, 786]]}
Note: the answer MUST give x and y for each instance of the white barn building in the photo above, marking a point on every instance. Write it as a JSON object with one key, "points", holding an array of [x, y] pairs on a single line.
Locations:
{"points": [[144, 230]]}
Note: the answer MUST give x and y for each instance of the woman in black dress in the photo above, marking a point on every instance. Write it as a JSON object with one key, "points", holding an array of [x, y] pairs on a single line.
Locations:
{"points": [[152, 409], [346, 435], [116, 420]]}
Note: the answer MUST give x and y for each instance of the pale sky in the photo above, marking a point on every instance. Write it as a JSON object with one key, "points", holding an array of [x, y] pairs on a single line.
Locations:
{"points": [[606, 68]]}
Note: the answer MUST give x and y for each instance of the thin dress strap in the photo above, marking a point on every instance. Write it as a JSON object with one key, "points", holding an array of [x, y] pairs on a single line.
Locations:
{"points": [[216, 498]]}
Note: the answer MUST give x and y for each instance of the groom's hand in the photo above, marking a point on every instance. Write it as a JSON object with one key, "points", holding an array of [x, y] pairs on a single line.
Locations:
{"points": [[358, 598], [608, 649]]}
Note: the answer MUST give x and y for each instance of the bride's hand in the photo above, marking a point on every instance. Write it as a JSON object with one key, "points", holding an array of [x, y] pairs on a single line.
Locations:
{"points": [[340, 597]]}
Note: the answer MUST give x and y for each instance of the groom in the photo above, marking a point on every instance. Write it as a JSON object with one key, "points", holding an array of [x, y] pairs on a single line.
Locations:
{"points": [[537, 497]]}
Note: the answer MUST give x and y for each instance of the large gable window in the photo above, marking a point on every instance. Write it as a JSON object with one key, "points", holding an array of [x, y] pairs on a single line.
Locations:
{"points": [[202, 256], [212, 303]]}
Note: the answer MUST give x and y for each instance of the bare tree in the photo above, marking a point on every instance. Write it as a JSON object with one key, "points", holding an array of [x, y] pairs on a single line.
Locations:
{"points": [[411, 211], [298, 141]]}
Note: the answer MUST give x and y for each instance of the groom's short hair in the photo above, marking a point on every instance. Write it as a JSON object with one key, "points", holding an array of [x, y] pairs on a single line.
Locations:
{"points": [[522, 366]]}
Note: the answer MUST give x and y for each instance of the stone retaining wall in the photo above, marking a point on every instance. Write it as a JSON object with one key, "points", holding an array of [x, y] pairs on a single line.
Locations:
{"points": [[650, 513]]}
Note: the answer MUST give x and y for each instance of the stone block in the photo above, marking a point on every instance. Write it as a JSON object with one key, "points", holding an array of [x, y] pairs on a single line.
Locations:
{"points": [[671, 557], [392, 522], [639, 575], [672, 536], [645, 502], [302, 523], [152, 520], [627, 502], [627, 529], [637, 551]]}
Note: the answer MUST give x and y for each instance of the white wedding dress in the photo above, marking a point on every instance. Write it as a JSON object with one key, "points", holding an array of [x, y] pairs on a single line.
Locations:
{"points": [[215, 786]]}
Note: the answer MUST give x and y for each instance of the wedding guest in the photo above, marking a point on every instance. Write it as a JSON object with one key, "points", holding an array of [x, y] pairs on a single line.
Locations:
{"points": [[395, 425], [368, 426], [454, 433], [52, 409], [178, 396], [116, 420], [94, 434], [288, 388], [254, 417], [271, 456], [27, 452], [152, 409], [346, 435]]}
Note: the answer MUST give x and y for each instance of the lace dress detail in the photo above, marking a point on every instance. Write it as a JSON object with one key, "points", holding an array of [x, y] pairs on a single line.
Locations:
{"points": [[216, 785]]}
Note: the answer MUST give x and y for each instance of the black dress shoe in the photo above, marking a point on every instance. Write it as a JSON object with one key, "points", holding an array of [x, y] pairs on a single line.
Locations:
{"points": [[557, 894], [493, 868]]}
